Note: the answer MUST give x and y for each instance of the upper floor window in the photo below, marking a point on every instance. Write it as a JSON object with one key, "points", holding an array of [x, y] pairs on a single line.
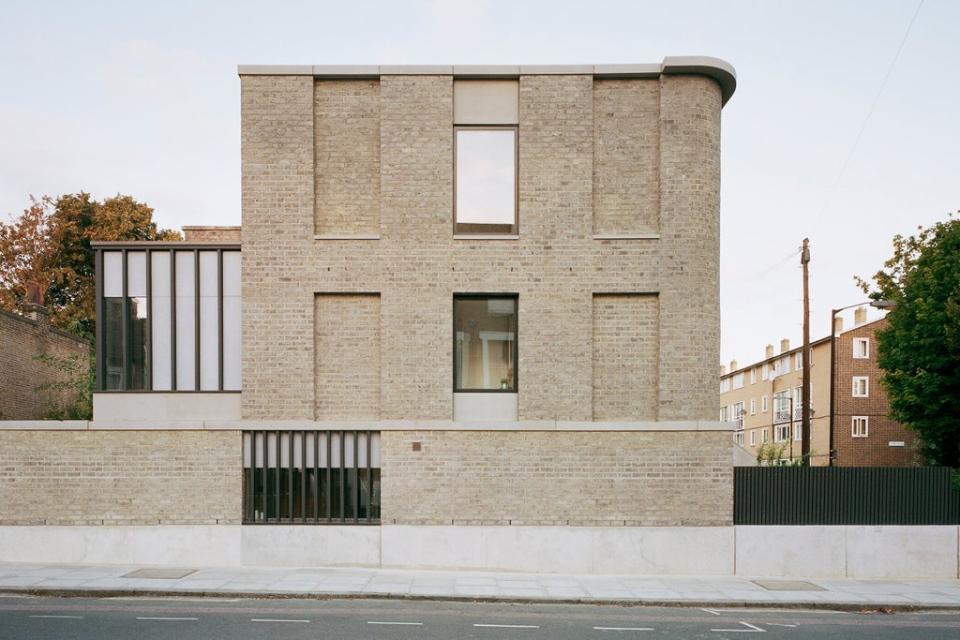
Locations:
{"points": [[861, 348], [738, 381], [799, 363], [861, 387], [168, 318], [753, 375], [859, 426], [484, 343], [485, 117]]}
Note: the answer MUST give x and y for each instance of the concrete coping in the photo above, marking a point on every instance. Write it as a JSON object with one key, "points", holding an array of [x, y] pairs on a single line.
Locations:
{"points": [[360, 425], [719, 70]]}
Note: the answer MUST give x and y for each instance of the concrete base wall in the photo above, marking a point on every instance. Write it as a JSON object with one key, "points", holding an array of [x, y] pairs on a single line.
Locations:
{"points": [[849, 551], [858, 552]]}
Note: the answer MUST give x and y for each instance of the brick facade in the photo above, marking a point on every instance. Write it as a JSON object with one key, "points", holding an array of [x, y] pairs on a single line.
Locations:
{"points": [[609, 478], [875, 449], [22, 373], [120, 477], [211, 234], [555, 267]]}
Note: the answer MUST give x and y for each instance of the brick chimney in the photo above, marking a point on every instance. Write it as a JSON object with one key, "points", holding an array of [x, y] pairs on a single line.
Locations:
{"points": [[33, 307], [769, 351], [733, 366], [723, 370], [859, 316], [784, 345]]}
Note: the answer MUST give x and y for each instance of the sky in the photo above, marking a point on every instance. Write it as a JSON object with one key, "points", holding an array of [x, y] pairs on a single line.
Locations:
{"points": [[142, 98]]}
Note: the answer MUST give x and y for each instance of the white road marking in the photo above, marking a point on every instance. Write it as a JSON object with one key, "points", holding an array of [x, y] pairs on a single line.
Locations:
{"points": [[276, 620], [410, 624], [508, 626], [52, 616], [623, 628], [162, 618], [752, 629], [713, 611]]}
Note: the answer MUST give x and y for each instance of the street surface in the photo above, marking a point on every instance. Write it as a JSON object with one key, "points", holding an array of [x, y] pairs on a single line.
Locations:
{"points": [[49, 618]]}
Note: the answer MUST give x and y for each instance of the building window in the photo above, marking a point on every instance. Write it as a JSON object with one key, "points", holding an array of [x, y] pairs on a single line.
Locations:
{"points": [[861, 387], [798, 432], [311, 477], [738, 438], [860, 426], [799, 364], [753, 406], [753, 438], [765, 372], [485, 343], [766, 436], [738, 381], [861, 348], [485, 183], [763, 404], [781, 432], [724, 413], [170, 319]]}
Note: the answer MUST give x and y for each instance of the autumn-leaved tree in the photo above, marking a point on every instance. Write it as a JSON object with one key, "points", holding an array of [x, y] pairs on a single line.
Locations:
{"points": [[50, 244], [919, 350]]}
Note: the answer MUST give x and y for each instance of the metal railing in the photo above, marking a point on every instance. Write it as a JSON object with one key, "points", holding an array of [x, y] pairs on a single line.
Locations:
{"points": [[311, 477], [844, 496]]}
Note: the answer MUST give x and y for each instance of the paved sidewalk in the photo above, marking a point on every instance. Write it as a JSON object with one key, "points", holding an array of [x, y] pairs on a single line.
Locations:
{"points": [[469, 585]]}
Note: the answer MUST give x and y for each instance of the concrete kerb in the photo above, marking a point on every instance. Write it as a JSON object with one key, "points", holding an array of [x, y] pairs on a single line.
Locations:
{"points": [[891, 607]]}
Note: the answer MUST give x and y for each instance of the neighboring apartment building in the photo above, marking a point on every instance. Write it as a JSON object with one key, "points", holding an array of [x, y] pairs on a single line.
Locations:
{"points": [[763, 400], [476, 309]]}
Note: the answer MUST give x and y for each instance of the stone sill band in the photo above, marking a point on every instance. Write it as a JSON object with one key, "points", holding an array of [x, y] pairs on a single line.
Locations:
{"points": [[360, 425], [719, 70]]}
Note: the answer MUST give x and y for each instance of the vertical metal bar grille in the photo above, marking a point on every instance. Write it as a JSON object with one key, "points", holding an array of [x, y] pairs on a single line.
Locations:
{"points": [[196, 319], [173, 320], [297, 464], [845, 496], [148, 355], [219, 319]]}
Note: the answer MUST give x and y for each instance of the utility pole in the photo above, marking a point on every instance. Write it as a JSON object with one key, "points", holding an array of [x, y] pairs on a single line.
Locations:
{"points": [[805, 400]]}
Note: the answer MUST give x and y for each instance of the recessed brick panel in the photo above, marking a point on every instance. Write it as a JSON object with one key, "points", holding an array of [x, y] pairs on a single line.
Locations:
{"points": [[347, 350]]}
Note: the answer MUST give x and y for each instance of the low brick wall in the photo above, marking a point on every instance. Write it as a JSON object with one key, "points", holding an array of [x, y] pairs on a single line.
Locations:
{"points": [[120, 477], [601, 478]]}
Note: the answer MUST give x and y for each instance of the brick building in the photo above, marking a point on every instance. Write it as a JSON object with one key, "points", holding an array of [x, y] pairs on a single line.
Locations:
{"points": [[763, 401], [479, 310]]}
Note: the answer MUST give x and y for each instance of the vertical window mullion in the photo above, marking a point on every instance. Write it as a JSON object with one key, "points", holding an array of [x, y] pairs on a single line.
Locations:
{"points": [[276, 503], [316, 476], [124, 326], [148, 365], [196, 318], [355, 494], [266, 489], [303, 476], [220, 319], [329, 509], [290, 479], [173, 321], [99, 332]]}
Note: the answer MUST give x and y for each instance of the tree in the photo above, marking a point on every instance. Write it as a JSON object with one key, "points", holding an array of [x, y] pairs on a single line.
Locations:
{"points": [[919, 350], [50, 244]]}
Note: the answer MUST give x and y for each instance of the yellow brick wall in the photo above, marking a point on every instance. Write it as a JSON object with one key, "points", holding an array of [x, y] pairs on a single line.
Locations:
{"points": [[625, 342], [120, 477], [348, 356]]}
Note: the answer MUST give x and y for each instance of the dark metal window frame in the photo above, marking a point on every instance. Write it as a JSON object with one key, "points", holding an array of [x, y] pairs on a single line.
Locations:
{"points": [[516, 338], [470, 228], [149, 248], [251, 498]]}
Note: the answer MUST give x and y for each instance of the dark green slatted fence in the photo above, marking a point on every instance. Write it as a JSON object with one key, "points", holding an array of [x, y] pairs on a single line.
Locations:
{"points": [[844, 495]]}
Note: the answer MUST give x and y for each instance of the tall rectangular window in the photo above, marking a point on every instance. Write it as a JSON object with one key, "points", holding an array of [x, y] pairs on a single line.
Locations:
{"points": [[160, 329], [209, 321], [186, 321], [484, 343], [860, 426], [861, 348], [231, 320], [137, 313], [861, 387], [485, 184]]}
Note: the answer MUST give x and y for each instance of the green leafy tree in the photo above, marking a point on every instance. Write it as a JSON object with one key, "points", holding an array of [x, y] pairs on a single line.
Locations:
{"points": [[50, 244], [919, 350]]}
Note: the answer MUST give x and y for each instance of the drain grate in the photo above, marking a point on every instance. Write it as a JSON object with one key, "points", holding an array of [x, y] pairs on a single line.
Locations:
{"points": [[159, 573], [788, 585]]}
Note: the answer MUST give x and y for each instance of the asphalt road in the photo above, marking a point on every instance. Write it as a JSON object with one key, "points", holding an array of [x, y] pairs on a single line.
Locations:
{"points": [[42, 618]]}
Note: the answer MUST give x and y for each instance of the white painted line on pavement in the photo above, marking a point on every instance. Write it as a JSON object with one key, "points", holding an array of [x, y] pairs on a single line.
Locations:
{"points": [[409, 624], [508, 626], [52, 616], [623, 628], [752, 629], [162, 618], [713, 611], [276, 620]]}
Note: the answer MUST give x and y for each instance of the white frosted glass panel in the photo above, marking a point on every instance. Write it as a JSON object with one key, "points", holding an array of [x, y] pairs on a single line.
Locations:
{"points": [[186, 315], [209, 321], [136, 274], [231, 273], [160, 324], [486, 187], [231, 343], [112, 274]]}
